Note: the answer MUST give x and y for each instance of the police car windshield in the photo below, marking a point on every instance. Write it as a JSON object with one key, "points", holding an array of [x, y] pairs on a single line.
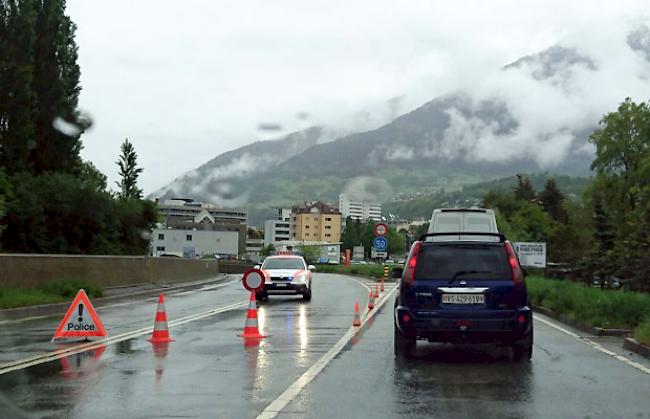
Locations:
{"points": [[283, 263]]}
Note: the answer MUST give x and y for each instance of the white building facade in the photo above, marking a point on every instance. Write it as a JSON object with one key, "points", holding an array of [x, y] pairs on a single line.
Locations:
{"points": [[359, 210], [194, 243], [278, 230]]}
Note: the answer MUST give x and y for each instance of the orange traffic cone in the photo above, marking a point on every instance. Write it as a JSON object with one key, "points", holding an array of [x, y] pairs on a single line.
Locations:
{"points": [[371, 301], [382, 284], [376, 290], [251, 329], [357, 316], [160, 328]]}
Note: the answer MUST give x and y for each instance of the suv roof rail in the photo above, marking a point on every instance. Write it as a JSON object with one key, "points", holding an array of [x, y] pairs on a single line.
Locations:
{"points": [[464, 209], [501, 237]]}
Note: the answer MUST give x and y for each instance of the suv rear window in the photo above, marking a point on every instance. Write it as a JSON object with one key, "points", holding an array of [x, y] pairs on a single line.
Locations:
{"points": [[443, 261]]}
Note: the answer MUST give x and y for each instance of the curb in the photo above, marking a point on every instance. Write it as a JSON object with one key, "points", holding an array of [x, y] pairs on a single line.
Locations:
{"points": [[597, 331], [47, 310], [632, 345]]}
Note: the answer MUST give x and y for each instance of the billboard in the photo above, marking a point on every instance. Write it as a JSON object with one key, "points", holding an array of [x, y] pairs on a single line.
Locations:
{"points": [[531, 254]]}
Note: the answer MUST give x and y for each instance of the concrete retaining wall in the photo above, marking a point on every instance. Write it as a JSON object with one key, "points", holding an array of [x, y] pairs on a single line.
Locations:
{"points": [[26, 270]]}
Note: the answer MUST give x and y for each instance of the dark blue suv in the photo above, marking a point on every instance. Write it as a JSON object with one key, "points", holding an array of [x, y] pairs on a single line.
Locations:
{"points": [[463, 288]]}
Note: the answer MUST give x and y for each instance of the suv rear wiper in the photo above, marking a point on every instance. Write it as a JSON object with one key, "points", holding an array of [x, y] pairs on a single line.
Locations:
{"points": [[460, 273]]}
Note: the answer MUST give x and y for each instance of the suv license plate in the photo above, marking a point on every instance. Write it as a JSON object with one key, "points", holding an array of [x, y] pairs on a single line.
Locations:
{"points": [[280, 284], [463, 298]]}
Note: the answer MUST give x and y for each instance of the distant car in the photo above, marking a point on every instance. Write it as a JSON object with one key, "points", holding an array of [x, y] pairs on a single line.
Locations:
{"points": [[444, 220], [286, 274], [389, 261], [463, 291], [401, 261]]}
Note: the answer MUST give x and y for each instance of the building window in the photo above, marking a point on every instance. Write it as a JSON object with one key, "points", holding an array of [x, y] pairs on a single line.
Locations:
{"points": [[160, 248], [306, 234], [328, 219], [316, 219], [188, 237], [306, 226], [328, 235], [161, 237], [328, 227]]}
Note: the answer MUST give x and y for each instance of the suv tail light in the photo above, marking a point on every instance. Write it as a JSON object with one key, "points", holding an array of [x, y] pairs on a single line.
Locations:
{"points": [[517, 272], [409, 272]]}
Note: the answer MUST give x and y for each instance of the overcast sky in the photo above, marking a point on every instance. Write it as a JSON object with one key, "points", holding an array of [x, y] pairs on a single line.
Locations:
{"points": [[186, 81]]}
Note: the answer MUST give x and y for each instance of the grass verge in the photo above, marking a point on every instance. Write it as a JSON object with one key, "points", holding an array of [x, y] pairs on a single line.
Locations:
{"points": [[642, 333], [591, 306], [52, 292]]}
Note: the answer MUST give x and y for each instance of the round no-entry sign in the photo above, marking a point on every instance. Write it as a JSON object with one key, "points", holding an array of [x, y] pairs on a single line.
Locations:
{"points": [[381, 230], [253, 279]]}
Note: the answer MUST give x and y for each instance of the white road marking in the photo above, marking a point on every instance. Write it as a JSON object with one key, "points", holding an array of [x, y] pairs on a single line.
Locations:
{"points": [[51, 356], [276, 406], [595, 345]]}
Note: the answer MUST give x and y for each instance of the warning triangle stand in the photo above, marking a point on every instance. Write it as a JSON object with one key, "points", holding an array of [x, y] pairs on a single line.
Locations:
{"points": [[81, 320]]}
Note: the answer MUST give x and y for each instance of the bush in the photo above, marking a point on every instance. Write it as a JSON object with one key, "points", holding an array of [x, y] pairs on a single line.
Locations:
{"points": [[53, 292], [642, 332], [608, 308], [70, 287], [363, 270]]}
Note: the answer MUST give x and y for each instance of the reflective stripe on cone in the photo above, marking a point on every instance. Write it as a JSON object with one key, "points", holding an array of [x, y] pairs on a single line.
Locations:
{"points": [[160, 328], [251, 327], [357, 316], [371, 300]]}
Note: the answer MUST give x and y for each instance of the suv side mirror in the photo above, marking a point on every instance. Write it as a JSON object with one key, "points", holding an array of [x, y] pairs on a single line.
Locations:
{"points": [[256, 267], [397, 272], [311, 267]]}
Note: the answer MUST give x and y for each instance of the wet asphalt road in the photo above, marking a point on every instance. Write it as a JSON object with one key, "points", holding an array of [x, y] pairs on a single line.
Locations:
{"points": [[207, 371]]}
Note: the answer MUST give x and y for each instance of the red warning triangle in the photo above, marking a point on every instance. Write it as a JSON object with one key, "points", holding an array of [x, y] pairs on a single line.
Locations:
{"points": [[81, 320]]}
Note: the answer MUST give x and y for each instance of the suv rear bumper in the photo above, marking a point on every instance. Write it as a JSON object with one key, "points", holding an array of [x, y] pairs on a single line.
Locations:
{"points": [[503, 327]]}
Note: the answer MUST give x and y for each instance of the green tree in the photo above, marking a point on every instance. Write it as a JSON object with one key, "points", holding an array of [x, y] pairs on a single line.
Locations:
{"points": [[622, 148], [524, 190], [310, 253], [253, 233], [552, 200], [17, 98], [351, 235], [58, 122], [91, 176], [600, 260], [396, 242], [531, 223], [5, 196], [267, 250], [621, 190], [634, 253], [129, 172]]}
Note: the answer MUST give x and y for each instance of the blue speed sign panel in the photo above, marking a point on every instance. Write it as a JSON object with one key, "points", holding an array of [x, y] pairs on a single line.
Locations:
{"points": [[380, 244]]}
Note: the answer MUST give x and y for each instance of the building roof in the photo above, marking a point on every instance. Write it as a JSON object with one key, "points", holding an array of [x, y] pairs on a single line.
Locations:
{"points": [[316, 207]]}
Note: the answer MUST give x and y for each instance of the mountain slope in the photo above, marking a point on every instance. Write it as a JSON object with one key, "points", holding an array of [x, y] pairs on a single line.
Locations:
{"points": [[533, 115]]}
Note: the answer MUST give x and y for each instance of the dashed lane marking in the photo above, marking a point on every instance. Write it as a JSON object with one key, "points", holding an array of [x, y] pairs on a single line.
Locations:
{"points": [[595, 345], [276, 406]]}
